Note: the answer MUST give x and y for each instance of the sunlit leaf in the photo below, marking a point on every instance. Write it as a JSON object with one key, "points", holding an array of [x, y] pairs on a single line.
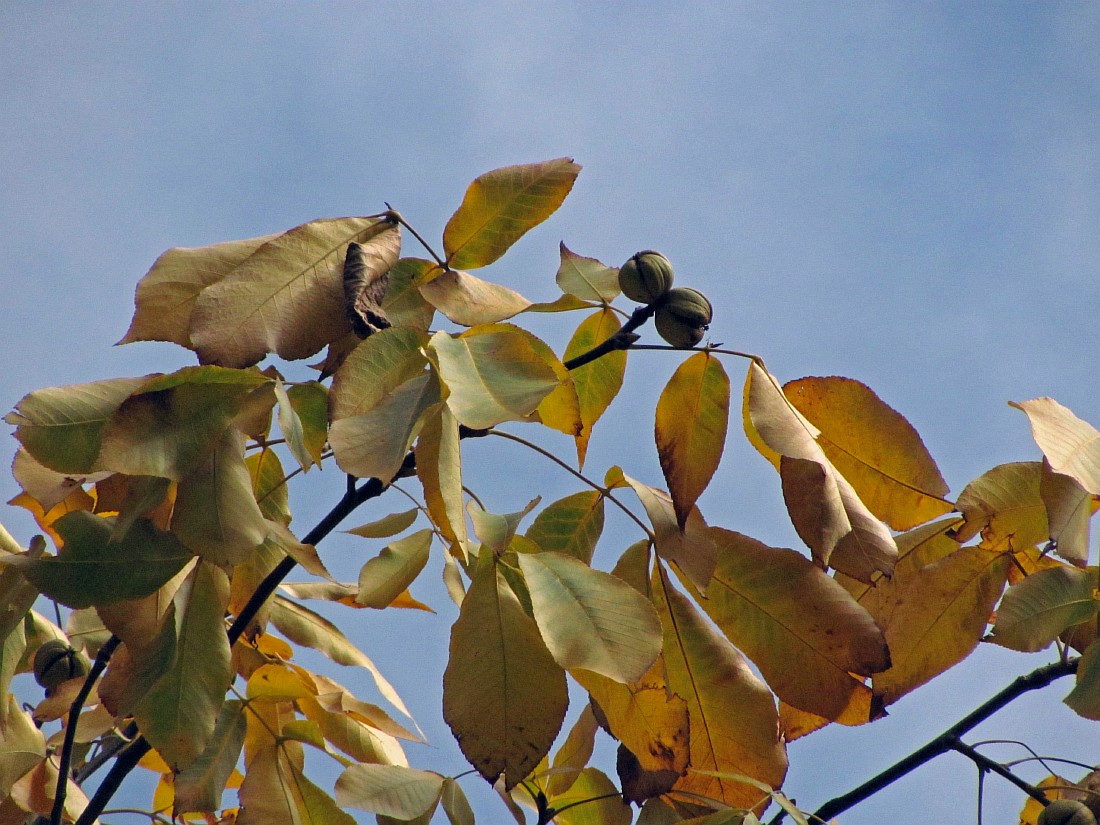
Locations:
{"points": [[305, 627], [282, 793], [351, 734], [824, 507], [496, 530], [287, 297], [439, 468], [386, 526], [1072, 446], [200, 786], [48, 487], [167, 293], [693, 549], [599, 381], [310, 403], [874, 448], [1069, 507], [383, 578], [216, 514], [178, 713], [269, 485], [1084, 699], [734, 723], [586, 278], [599, 804], [574, 753], [797, 723], [504, 697], [501, 206], [61, 427], [391, 790], [91, 569], [494, 373], [454, 803], [804, 632], [469, 300], [1034, 612], [571, 525], [933, 615], [590, 619], [690, 430], [1005, 506]]}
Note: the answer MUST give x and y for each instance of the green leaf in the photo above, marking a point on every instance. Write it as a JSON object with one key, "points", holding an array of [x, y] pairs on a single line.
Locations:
{"points": [[168, 427], [586, 278], [390, 790], [496, 531], [590, 619], [574, 753], [501, 206], [90, 569], [455, 804], [62, 427], [468, 300], [276, 791], [200, 786], [1035, 611], [571, 525], [377, 367], [1084, 699], [599, 381], [690, 429], [389, 574], [595, 802], [493, 373], [804, 632], [216, 514], [269, 485], [178, 713], [287, 297], [304, 627], [504, 697], [309, 402], [387, 526], [403, 303]]}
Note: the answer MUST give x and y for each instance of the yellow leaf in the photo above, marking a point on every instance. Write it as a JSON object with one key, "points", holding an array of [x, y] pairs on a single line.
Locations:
{"points": [[1069, 507], [468, 300], [573, 754], [597, 802], [874, 448], [934, 609], [1072, 446], [690, 430], [493, 373], [586, 278], [733, 719], [1004, 504], [501, 206], [504, 697], [439, 468], [827, 512], [797, 624], [597, 382], [797, 723], [278, 683], [287, 297], [692, 549]]}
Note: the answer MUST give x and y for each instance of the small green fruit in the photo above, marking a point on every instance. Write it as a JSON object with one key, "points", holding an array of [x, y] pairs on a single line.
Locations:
{"points": [[1066, 812], [646, 276], [55, 662], [682, 319]]}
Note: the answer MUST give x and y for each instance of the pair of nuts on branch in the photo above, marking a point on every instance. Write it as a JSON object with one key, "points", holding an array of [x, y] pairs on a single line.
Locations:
{"points": [[682, 315]]}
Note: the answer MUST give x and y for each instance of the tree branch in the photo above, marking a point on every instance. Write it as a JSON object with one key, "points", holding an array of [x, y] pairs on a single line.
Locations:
{"points": [[946, 741], [984, 763]]}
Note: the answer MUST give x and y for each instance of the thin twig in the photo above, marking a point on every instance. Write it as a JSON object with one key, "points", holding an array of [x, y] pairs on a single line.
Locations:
{"points": [[984, 763], [1038, 678]]}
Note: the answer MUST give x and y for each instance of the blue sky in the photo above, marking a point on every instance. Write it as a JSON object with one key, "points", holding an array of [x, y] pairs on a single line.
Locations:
{"points": [[906, 194]]}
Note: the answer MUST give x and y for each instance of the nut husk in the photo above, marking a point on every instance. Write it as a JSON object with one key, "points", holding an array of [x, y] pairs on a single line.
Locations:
{"points": [[646, 276]]}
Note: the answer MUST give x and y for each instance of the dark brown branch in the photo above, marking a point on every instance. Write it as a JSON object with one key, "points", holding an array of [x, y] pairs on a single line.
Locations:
{"points": [[946, 741]]}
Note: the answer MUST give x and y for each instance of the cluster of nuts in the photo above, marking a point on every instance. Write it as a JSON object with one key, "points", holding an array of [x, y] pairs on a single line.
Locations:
{"points": [[55, 662], [682, 315]]}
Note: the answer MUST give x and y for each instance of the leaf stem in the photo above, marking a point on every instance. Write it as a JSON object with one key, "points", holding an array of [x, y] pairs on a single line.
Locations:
{"points": [[397, 217], [65, 768], [984, 763], [946, 741], [603, 491]]}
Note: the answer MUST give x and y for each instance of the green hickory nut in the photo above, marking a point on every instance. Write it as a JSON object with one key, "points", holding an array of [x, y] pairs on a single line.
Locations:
{"points": [[683, 317], [1066, 812], [55, 662], [646, 276]]}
